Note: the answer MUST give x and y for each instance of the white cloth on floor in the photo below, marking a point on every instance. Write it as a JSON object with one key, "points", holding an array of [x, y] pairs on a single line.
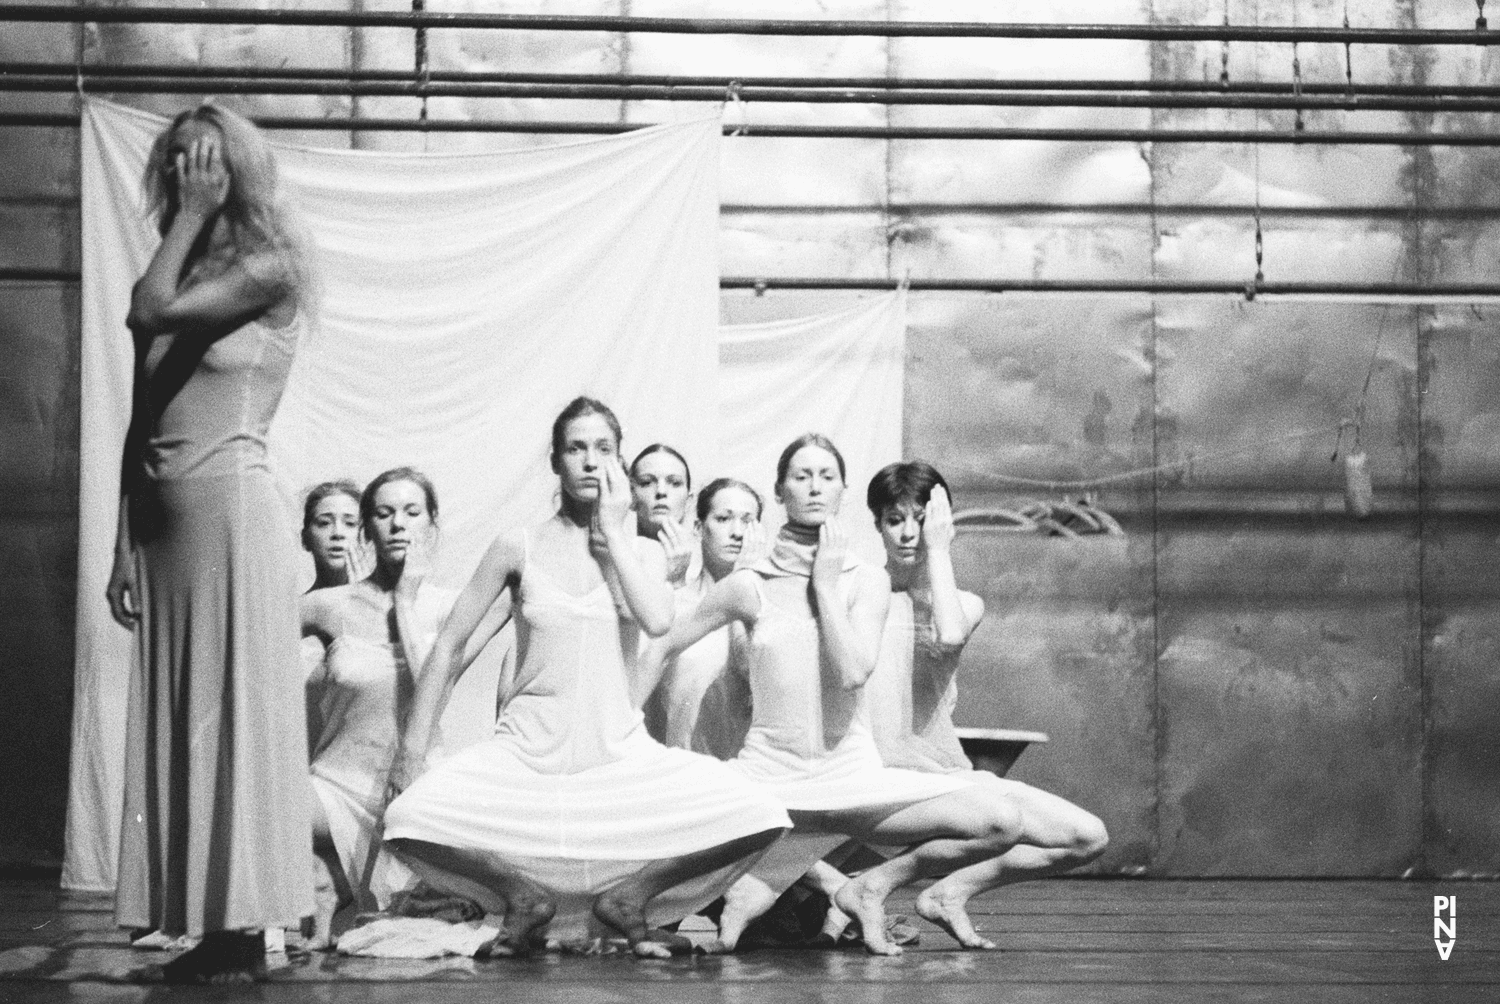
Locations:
{"points": [[415, 938]]}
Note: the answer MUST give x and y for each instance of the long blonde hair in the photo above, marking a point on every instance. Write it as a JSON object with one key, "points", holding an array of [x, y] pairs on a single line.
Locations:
{"points": [[256, 210]]}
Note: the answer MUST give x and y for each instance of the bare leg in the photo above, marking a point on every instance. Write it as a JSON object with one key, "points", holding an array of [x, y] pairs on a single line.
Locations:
{"points": [[623, 905], [828, 880], [955, 830], [1057, 836], [490, 880], [331, 888]]}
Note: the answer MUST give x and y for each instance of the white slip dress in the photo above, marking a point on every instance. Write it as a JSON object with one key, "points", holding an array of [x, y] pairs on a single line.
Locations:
{"points": [[571, 792]]}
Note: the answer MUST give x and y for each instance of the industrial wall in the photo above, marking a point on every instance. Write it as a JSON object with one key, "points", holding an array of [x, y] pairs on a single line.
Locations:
{"points": [[1249, 682]]}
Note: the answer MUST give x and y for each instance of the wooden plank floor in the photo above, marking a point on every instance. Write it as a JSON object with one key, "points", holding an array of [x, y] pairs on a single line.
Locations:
{"points": [[1066, 940]]}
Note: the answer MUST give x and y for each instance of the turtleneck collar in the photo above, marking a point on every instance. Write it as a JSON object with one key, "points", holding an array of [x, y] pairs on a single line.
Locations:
{"points": [[793, 552]]}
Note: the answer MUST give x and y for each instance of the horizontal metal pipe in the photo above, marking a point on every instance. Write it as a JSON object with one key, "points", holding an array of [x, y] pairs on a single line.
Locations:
{"points": [[677, 80], [61, 84], [1195, 210], [1146, 286], [774, 131], [747, 26]]}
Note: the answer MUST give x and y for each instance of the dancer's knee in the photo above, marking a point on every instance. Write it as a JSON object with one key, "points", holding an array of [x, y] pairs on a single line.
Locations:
{"points": [[1001, 823], [1090, 838]]}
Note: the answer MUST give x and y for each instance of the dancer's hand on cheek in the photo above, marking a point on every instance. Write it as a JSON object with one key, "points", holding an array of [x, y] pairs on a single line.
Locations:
{"points": [[202, 181], [755, 546], [614, 509], [359, 561], [833, 548], [417, 564], [937, 522], [679, 547]]}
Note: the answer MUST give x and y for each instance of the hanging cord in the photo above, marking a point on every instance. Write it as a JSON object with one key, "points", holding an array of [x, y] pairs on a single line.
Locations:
{"points": [[1349, 56], [1253, 286], [1297, 124], [1224, 53], [1480, 24], [78, 62], [424, 72], [732, 95]]}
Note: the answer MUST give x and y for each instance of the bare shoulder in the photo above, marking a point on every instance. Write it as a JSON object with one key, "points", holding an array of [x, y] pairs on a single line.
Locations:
{"points": [[870, 579]]}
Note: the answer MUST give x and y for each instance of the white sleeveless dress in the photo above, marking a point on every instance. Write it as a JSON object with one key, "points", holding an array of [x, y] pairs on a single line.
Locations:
{"points": [[571, 791], [910, 710], [356, 694]]}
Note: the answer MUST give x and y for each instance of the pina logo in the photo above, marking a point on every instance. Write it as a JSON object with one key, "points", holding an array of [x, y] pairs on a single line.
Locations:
{"points": [[1445, 906]]}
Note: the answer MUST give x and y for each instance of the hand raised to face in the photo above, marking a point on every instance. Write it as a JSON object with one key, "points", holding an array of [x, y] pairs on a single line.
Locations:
{"points": [[833, 549], [202, 180], [678, 545], [416, 565], [937, 522]]}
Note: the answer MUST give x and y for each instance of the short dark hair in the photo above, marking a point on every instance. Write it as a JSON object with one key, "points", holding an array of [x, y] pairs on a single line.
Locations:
{"points": [[663, 448], [714, 487], [416, 477], [578, 408], [808, 439], [317, 493], [906, 481]]}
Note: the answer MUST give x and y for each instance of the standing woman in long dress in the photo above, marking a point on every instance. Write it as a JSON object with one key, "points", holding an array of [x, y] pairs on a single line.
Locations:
{"points": [[215, 830], [572, 808]]}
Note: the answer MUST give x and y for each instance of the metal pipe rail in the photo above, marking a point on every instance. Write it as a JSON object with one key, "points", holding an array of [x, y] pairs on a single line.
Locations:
{"points": [[748, 26], [62, 84], [771, 130], [1151, 287], [722, 83]]}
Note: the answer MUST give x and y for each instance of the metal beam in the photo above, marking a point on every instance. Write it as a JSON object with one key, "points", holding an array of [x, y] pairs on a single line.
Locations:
{"points": [[66, 84], [56, 13], [1455, 291], [721, 82], [775, 131]]}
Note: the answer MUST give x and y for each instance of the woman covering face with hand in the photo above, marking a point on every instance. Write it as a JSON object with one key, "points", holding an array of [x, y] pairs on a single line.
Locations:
{"points": [[204, 561], [635, 834]]}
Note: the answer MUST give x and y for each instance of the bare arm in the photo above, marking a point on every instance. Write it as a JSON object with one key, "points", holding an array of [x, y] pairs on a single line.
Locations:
{"points": [[951, 622], [732, 598], [850, 635], [642, 577], [494, 620], [161, 302], [445, 664]]}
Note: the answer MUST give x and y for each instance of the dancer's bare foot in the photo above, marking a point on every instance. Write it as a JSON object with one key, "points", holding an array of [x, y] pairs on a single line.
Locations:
{"points": [[325, 905], [866, 906], [623, 907], [945, 909], [221, 957], [527, 915], [744, 901]]}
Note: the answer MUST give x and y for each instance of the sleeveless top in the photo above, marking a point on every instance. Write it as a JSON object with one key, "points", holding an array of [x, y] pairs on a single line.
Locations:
{"points": [[211, 402], [572, 708]]}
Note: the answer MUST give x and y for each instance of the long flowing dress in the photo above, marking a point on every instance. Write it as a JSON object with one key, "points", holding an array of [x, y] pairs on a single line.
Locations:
{"points": [[810, 739], [215, 828], [913, 692], [360, 688], [572, 792], [702, 702]]}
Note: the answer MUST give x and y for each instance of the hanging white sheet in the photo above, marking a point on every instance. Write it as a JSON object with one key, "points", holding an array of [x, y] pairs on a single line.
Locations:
{"points": [[468, 297], [838, 373]]}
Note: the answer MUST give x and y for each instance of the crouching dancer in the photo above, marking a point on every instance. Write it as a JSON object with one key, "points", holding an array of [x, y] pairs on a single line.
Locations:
{"points": [[912, 694]]}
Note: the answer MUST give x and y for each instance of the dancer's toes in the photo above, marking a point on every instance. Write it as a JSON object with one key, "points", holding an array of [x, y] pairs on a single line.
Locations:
{"points": [[866, 907], [526, 920], [948, 913], [746, 900], [622, 908]]}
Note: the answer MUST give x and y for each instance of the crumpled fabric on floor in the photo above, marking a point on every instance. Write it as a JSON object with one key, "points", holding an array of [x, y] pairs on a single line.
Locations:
{"points": [[415, 938]]}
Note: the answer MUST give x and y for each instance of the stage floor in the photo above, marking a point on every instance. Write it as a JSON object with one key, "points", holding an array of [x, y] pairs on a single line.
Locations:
{"points": [[1065, 940]]}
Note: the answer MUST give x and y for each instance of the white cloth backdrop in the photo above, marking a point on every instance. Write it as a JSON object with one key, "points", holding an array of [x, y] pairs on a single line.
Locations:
{"points": [[839, 374], [468, 297]]}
